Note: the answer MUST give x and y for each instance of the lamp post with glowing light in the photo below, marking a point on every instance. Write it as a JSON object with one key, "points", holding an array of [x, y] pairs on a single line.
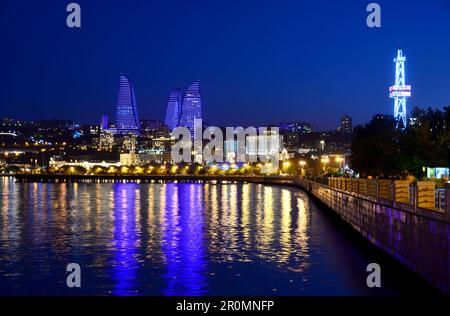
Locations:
{"points": [[325, 160], [302, 164], [286, 167]]}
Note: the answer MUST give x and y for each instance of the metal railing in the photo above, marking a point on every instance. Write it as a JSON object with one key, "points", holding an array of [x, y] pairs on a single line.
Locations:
{"points": [[440, 199], [422, 194]]}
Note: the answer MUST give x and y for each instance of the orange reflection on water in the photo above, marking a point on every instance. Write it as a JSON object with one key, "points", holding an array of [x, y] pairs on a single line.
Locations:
{"points": [[285, 225], [245, 220]]}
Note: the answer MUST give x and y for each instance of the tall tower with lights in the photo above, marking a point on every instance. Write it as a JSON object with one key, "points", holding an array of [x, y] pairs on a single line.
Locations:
{"points": [[127, 120], [192, 107], [400, 91], [173, 111]]}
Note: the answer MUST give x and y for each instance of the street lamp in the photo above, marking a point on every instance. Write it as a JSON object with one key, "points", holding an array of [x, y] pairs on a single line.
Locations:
{"points": [[302, 165], [322, 145], [286, 166], [324, 160]]}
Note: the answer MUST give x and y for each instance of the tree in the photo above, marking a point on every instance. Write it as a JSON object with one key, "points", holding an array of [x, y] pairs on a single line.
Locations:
{"points": [[375, 149], [427, 139], [382, 149]]}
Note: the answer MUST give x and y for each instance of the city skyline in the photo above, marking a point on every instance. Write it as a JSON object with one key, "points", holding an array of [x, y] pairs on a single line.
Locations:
{"points": [[231, 155], [269, 70]]}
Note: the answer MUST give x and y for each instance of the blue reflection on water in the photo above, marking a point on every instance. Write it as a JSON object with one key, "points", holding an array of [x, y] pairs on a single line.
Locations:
{"points": [[125, 238], [180, 239], [183, 241]]}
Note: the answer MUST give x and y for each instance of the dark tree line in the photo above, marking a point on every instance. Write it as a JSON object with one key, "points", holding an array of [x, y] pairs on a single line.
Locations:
{"points": [[381, 149]]}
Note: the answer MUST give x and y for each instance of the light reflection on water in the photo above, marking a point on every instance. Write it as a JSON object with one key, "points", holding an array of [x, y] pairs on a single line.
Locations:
{"points": [[173, 239]]}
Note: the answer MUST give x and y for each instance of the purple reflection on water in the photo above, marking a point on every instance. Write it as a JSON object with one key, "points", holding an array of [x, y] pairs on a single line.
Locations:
{"points": [[124, 242], [183, 244]]}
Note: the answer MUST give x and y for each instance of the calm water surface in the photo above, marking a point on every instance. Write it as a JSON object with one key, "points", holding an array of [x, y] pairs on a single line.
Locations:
{"points": [[181, 239]]}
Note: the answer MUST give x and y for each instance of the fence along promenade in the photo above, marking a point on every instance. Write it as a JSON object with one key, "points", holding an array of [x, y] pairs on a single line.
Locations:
{"points": [[420, 194], [410, 221]]}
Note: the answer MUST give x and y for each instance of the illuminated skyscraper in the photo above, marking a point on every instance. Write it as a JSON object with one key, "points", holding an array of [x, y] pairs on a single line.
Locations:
{"points": [[192, 106], [400, 91], [173, 111], [127, 120], [104, 122]]}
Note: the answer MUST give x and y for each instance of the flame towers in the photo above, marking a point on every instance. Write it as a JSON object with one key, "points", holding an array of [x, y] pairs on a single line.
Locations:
{"points": [[127, 120], [400, 91], [192, 106], [173, 111]]}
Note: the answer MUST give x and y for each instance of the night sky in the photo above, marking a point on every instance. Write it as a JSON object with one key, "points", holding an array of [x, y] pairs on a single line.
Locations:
{"points": [[258, 61]]}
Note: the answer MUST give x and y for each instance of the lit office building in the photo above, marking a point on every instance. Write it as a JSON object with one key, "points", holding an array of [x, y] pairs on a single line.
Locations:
{"points": [[173, 110], [192, 106], [127, 120], [106, 140]]}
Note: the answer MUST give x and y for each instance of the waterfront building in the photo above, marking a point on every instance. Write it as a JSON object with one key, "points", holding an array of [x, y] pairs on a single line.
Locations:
{"points": [[127, 120], [192, 107], [173, 111], [106, 140], [164, 143], [56, 163], [129, 143], [142, 158], [128, 159]]}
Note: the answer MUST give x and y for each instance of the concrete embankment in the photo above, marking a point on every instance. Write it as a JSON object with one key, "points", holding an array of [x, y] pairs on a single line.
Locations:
{"points": [[418, 238]]}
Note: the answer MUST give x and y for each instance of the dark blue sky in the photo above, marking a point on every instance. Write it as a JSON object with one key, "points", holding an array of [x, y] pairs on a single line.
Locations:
{"points": [[258, 61]]}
